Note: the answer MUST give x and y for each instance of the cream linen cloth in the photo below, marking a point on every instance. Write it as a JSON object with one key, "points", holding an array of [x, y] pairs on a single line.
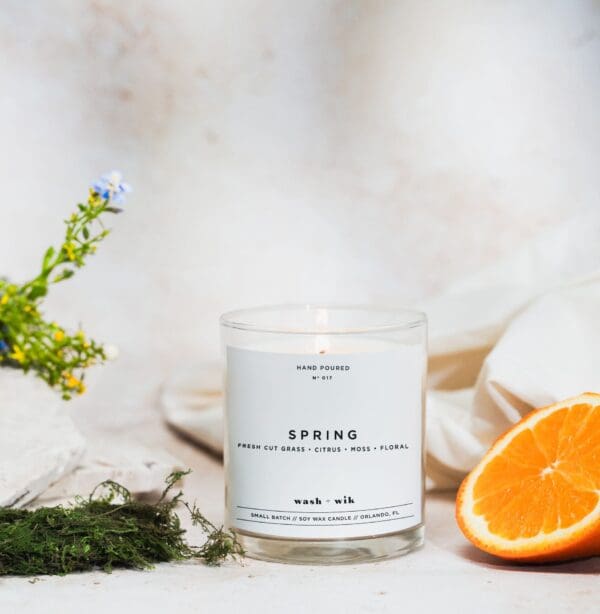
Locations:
{"points": [[521, 334]]}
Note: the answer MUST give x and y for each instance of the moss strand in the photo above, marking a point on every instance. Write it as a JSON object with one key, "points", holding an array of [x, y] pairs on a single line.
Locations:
{"points": [[99, 533]]}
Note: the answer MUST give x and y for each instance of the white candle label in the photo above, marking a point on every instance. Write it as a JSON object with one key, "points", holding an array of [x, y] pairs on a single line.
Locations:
{"points": [[324, 446]]}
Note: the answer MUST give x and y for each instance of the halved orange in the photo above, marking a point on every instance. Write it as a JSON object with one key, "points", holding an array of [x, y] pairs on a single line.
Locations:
{"points": [[535, 495]]}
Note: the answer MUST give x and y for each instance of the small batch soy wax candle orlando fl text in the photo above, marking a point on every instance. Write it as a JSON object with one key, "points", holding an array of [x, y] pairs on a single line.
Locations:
{"points": [[324, 431]]}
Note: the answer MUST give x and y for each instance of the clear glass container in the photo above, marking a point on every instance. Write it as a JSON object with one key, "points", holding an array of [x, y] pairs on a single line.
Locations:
{"points": [[324, 431]]}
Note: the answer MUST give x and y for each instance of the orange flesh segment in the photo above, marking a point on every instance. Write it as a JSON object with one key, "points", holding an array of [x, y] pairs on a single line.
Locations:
{"points": [[547, 477]]}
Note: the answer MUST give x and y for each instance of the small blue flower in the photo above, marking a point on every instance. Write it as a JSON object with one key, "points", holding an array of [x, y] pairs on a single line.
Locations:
{"points": [[3, 346], [112, 187]]}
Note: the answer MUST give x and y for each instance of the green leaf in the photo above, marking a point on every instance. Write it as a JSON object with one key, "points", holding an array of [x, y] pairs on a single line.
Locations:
{"points": [[47, 258], [86, 232], [37, 291], [64, 275]]}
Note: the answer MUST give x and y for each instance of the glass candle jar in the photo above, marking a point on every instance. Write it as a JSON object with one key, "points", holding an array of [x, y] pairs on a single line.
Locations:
{"points": [[324, 429]]}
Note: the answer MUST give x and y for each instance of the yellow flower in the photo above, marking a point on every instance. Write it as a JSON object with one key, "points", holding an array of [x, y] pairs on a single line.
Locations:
{"points": [[94, 199], [17, 354], [4, 299], [81, 388], [59, 335], [71, 381], [69, 249]]}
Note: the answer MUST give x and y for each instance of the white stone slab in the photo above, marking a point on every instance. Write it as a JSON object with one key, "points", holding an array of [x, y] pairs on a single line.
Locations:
{"points": [[138, 468], [39, 442]]}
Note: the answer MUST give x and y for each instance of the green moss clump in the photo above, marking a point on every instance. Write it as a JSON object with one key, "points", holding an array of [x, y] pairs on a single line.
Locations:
{"points": [[106, 531]]}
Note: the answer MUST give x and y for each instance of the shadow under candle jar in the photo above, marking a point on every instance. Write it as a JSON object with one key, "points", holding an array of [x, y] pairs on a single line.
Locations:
{"points": [[324, 431]]}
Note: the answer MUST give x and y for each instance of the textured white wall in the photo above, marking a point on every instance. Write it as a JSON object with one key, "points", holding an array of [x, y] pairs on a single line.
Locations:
{"points": [[285, 151]]}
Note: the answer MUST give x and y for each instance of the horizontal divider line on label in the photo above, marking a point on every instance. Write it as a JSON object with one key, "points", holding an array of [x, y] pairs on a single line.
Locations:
{"points": [[369, 509], [339, 524]]}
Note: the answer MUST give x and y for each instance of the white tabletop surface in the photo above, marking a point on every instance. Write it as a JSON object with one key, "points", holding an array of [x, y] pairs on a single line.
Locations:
{"points": [[447, 574]]}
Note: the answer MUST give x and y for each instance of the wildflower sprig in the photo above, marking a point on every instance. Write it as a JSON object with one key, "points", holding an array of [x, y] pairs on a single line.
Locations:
{"points": [[27, 340]]}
